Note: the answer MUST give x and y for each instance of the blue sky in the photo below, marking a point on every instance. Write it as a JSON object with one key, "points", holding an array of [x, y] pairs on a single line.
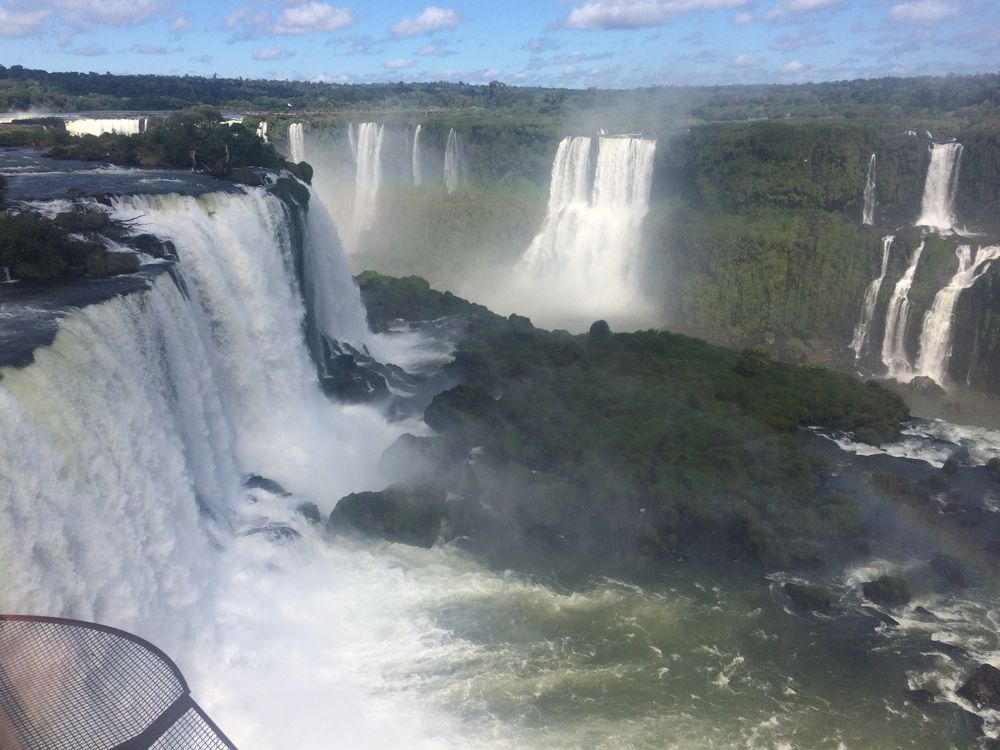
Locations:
{"points": [[573, 43]]}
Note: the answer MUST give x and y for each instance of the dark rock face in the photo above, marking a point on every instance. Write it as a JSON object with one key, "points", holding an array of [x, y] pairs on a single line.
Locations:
{"points": [[396, 514], [351, 375], [926, 386], [806, 598], [274, 532], [309, 511], [982, 689], [257, 482], [888, 591]]}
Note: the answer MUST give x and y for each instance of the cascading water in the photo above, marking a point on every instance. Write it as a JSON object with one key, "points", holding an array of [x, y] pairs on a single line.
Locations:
{"points": [[87, 126], [936, 207], [868, 211], [862, 329], [367, 178], [894, 356], [454, 163], [415, 158], [262, 130], [296, 143], [936, 335], [586, 256]]}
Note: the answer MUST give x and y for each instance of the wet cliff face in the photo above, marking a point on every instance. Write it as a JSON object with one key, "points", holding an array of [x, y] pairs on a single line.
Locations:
{"points": [[975, 357]]}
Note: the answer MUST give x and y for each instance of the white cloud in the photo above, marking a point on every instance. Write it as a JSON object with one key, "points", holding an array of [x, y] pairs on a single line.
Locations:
{"points": [[271, 53], [181, 23], [398, 64], [89, 50], [431, 19], [428, 49], [745, 61], [793, 67], [88, 13], [312, 18], [786, 8], [21, 23], [922, 11], [741, 19], [633, 14]]}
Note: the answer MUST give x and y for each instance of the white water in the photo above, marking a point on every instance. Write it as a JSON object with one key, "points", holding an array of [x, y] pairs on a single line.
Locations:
{"points": [[87, 126], [454, 163], [296, 143], [936, 335], [585, 260], [894, 356], [862, 329], [418, 177], [367, 148], [936, 208], [262, 130], [868, 211]]}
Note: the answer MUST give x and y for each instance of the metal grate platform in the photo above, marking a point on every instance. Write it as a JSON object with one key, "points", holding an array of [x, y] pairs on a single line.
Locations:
{"points": [[71, 685]]}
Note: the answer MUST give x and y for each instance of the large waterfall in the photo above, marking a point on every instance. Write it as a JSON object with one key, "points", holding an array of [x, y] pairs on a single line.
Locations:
{"points": [[367, 147], [937, 206], [95, 126], [454, 163], [861, 330], [936, 335], [868, 210], [894, 356], [585, 259], [417, 166], [296, 143]]}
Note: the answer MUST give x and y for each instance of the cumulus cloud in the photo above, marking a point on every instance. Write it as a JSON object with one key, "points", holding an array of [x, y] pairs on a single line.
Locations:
{"points": [[180, 24], [430, 20], [634, 14], [741, 19], [745, 61], [271, 53], [398, 64], [793, 67], [922, 11], [787, 8], [312, 18], [21, 23]]}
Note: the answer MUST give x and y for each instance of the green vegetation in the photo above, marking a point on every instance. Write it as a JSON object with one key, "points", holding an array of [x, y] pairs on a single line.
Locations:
{"points": [[648, 444], [37, 248]]}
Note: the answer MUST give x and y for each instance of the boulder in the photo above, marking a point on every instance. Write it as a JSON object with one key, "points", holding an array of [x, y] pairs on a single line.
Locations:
{"points": [[807, 598], [309, 511], [887, 591], [926, 386], [397, 514], [982, 689], [257, 482]]}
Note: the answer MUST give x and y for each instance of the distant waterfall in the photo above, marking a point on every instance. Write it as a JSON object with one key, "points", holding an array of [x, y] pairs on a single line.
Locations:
{"points": [[454, 163], [87, 126], [262, 130], [584, 258], [894, 355], [296, 143], [417, 167], [352, 140], [937, 206], [367, 178], [863, 327], [868, 212], [936, 335]]}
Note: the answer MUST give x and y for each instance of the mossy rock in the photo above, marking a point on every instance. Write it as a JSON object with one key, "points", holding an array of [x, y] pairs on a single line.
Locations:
{"points": [[807, 598], [888, 591], [103, 264], [397, 514]]}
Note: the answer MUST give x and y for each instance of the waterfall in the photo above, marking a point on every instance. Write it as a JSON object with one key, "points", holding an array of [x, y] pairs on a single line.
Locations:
{"points": [[454, 163], [296, 143], [352, 140], [868, 212], [894, 355], [417, 171], [262, 130], [586, 253], [87, 126], [936, 208], [367, 178], [863, 327], [936, 335]]}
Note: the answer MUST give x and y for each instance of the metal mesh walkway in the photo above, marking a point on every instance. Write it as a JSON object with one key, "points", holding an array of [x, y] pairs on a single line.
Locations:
{"points": [[70, 685]]}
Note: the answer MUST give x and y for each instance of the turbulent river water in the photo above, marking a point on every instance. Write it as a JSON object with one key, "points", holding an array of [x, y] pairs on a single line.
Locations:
{"points": [[121, 458]]}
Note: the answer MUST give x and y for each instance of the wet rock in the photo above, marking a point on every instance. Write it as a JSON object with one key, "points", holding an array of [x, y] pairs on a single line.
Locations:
{"points": [[397, 514], [919, 697], [887, 591], [154, 246], [982, 689], [807, 598], [274, 532], [881, 617], [950, 570], [257, 482], [950, 649], [309, 511], [926, 386]]}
